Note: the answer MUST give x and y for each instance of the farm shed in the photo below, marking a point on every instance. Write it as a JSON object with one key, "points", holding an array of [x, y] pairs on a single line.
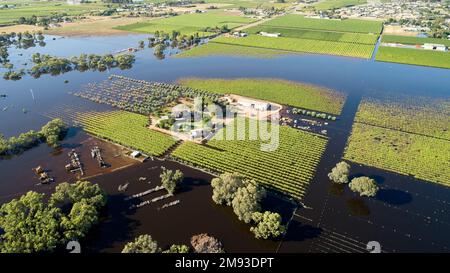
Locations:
{"points": [[267, 34], [135, 154], [437, 47], [261, 106]]}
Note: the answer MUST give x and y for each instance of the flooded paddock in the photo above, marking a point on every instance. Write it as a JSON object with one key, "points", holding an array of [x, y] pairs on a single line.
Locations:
{"points": [[406, 215]]}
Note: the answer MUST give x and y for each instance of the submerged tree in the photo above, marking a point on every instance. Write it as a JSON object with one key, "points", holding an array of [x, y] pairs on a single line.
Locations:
{"points": [[268, 224], [29, 225], [177, 249], [170, 179], [247, 201], [54, 131], [142, 244], [203, 243], [364, 185], [339, 174], [225, 187]]}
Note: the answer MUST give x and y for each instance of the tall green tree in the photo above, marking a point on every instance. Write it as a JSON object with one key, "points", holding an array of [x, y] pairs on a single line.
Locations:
{"points": [[247, 201], [29, 225], [339, 174], [177, 249], [142, 244], [268, 225], [68, 194], [364, 185], [170, 179], [225, 187]]}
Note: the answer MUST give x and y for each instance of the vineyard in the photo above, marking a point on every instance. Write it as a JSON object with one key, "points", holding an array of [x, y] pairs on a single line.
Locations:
{"points": [[288, 169], [127, 129], [345, 37], [413, 40], [301, 45], [414, 56], [138, 96], [419, 115], [279, 91], [423, 157], [347, 25], [335, 4], [189, 24], [215, 49]]}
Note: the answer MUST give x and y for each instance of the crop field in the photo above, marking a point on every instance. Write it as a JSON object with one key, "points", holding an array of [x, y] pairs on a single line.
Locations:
{"points": [[419, 115], [127, 129], [288, 169], [215, 49], [347, 25], [413, 40], [346, 37], [335, 4], [29, 8], [301, 45], [278, 91], [423, 157], [414, 56], [188, 24], [138, 96]]}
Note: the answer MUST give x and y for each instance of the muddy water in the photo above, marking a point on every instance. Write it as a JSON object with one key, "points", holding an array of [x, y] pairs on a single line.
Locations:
{"points": [[407, 215], [195, 213]]}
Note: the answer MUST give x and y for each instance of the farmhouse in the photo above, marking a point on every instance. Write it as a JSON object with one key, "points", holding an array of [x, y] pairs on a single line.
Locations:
{"points": [[267, 34], [437, 47]]}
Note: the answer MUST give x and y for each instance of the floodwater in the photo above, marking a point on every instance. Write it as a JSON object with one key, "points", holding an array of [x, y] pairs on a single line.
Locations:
{"points": [[406, 215]]}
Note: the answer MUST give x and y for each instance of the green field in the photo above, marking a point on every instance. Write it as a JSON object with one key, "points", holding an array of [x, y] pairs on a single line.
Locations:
{"points": [[413, 40], [347, 25], [423, 157], [211, 49], [349, 37], [278, 91], [127, 129], [300, 45], [29, 8], [288, 169], [335, 4], [419, 115], [414, 56], [345, 37], [188, 24]]}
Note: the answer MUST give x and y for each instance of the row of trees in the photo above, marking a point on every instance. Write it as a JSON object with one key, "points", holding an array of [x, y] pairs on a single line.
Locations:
{"points": [[245, 197], [33, 224], [51, 133], [46, 64], [364, 185]]}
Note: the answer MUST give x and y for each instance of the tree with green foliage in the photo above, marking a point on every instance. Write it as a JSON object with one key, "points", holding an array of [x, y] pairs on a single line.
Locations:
{"points": [[54, 131], [177, 249], [142, 244], [29, 225], [81, 218], [247, 200], [170, 179], [268, 225], [68, 194], [339, 174], [225, 187], [364, 185]]}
